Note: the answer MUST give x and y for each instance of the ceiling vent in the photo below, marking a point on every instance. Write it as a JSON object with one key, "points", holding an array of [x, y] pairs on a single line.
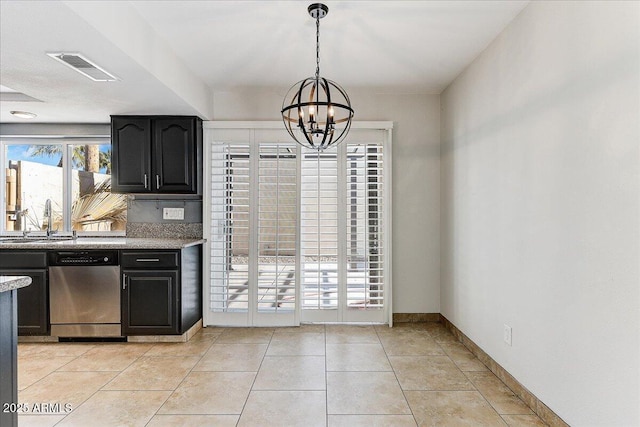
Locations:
{"points": [[84, 66]]}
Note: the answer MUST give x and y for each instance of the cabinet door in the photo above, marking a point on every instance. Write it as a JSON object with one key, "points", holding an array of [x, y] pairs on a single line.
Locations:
{"points": [[150, 302], [8, 358], [33, 302], [174, 155], [131, 154]]}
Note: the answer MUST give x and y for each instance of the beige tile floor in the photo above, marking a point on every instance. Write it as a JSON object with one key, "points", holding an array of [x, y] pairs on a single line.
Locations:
{"points": [[315, 375]]}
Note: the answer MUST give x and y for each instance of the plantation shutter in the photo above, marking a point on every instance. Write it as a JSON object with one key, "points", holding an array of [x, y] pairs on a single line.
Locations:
{"points": [[365, 219], [319, 229], [229, 234], [295, 235], [277, 226]]}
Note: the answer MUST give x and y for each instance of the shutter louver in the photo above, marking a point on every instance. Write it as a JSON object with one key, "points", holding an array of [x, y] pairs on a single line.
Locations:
{"points": [[319, 229], [365, 208], [277, 225], [229, 227]]}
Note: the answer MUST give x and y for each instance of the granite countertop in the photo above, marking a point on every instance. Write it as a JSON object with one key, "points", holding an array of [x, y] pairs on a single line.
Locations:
{"points": [[97, 243], [9, 283]]}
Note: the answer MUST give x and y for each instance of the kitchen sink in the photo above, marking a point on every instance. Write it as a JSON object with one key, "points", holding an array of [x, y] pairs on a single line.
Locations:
{"points": [[38, 239], [61, 240], [19, 240]]}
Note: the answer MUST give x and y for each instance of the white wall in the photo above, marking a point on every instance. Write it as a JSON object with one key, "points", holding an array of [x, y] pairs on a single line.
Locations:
{"points": [[540, 206], [416, 181]]}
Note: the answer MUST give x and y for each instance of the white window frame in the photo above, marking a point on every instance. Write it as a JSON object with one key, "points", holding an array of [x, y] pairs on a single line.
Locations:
{"points": [[66, 143], [245, 131]]}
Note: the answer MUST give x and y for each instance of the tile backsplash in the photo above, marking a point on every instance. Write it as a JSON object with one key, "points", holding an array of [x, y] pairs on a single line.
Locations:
{"points": [[145, 219]]}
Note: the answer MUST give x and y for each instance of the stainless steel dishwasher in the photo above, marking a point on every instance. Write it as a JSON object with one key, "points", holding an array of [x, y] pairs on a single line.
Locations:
{"points": [[84, 294]]}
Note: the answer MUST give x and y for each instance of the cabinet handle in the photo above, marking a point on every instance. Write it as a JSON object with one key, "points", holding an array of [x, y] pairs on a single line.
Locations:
{"points": [[124, 281], [146, 181], [157, 182], [147, 260]]}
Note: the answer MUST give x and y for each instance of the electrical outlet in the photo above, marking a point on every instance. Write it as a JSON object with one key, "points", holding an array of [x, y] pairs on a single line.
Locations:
{"points": [[507, 334], [173, 213]]}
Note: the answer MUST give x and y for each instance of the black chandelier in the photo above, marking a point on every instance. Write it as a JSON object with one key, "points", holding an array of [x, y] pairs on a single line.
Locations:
{"points": [[317, 111]]}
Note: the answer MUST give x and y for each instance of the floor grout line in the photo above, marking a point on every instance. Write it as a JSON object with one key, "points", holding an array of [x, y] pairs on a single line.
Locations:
{"points": [[380, 336], [254, 378], [183, 379], [396, 377]]}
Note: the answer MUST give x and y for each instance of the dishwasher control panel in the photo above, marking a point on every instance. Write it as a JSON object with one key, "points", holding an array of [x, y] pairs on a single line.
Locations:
{"points": [[62, 258]]}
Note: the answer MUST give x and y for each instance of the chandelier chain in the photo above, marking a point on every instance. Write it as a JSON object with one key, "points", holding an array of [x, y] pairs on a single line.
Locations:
{"points": [[317, 47]]}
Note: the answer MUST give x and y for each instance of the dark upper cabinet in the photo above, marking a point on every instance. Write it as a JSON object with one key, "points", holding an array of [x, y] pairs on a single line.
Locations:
{"points": [[174, 153], [156, 154], [131, 154]]}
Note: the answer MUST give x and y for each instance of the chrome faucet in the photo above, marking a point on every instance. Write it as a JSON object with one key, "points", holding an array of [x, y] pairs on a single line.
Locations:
{"points": [[22, 214], [48, 211]]}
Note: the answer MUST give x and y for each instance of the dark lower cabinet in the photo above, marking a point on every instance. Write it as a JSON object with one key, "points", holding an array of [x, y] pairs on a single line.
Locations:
{"points": [[33, 303], [8, 359], [161, 291], [150, 303], [33, 300]]}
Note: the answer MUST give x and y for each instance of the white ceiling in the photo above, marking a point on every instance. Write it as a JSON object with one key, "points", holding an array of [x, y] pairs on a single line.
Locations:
{"points": [[173, 56]]}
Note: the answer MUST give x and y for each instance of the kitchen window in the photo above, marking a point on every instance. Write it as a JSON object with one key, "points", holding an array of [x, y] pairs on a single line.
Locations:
{"points": [[74, 174]]}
